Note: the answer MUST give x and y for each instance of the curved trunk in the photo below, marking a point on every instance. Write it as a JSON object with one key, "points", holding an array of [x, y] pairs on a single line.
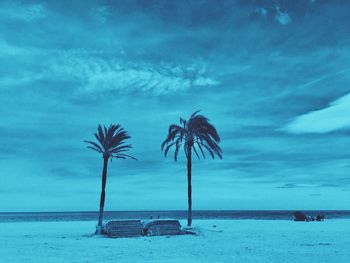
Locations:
{"points": [[103, 192], [189, 185]]}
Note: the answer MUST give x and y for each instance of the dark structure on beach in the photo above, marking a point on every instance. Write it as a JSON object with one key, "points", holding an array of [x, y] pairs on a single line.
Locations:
{"points": [[301, 217], [124, 228], [137, 228], [162, 228]]}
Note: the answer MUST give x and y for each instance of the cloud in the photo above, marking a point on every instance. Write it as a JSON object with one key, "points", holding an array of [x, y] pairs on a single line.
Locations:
{"points": [[101, 74], [282, 17], [22, 12], [98, 71], [331, 118]]}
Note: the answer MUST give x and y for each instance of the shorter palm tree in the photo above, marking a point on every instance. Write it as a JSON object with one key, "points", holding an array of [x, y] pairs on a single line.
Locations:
{"points": [[111, 144], [195, 134]]}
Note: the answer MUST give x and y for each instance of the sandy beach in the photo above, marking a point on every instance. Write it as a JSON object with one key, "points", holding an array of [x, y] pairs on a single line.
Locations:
{"points": [[229, 241]]}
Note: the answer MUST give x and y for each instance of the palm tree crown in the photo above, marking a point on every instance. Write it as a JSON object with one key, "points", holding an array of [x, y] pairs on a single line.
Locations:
{"points": [[196, 133], [111, 142]]}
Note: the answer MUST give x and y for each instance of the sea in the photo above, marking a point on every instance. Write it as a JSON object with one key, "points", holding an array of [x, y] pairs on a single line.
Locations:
{"points": [[144, 215]]}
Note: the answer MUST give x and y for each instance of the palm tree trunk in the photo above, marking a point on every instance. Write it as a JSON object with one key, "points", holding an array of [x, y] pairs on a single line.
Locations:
{"points": [[102, 198], [189, 185]]}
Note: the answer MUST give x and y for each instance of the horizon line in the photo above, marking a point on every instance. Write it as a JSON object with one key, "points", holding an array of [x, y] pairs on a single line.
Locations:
{"points": [[210, 210]]}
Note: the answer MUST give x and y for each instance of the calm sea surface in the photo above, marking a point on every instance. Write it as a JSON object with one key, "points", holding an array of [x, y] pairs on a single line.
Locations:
{"points": [[232, 214]]}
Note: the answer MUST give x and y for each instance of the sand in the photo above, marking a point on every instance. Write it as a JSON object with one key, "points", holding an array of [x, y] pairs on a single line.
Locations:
{"points": [[231, 241]]}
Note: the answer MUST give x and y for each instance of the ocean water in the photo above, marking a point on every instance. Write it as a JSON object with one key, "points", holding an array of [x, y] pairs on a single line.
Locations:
{"points": [[200, 214]]}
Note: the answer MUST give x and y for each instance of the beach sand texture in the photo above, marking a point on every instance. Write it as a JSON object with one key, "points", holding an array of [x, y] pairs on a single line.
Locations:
{"points": [[230, 241]]}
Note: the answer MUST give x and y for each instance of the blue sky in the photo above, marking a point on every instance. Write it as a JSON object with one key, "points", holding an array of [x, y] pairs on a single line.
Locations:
{"points": [[272, 76]]}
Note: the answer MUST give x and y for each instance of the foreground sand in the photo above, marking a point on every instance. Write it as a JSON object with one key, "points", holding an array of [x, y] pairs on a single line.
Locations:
{"points": [[231, 241]]}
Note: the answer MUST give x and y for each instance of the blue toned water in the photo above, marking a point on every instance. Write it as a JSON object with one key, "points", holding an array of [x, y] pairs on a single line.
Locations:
{"points": [[202, 214]]}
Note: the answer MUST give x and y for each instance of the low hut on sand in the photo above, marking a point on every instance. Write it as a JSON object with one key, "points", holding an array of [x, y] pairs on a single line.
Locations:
{"points": [[135, 228], [124, 228], [162, 228]]}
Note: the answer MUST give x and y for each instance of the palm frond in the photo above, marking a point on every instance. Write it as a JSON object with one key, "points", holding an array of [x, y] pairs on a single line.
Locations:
{"points": [[99, 140], [95, 149], [118, 138], [214, 147], [211, 131], [100, 134], [195, 151], [174, 131], [196, 132], [174, 127], [177, 149], [183, 122], [212, 143], [95, 145], [111, 141], [194, 113], [201, 149], [105, 132], [209, 150], [167, 148], [121, 148], [123, 156]]}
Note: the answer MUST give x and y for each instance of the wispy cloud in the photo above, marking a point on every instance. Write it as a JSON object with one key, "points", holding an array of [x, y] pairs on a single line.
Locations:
{"points": [[98, 73], [155, 79], [282, 17], [331, 118]]}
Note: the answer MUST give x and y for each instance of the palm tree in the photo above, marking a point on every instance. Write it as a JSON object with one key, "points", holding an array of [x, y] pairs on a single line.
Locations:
{"points": [[111, 144], [195, 134]]}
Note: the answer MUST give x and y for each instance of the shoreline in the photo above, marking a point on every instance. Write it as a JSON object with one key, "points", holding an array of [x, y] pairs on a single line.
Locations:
{"points": [[171, 218], [174, 214]]}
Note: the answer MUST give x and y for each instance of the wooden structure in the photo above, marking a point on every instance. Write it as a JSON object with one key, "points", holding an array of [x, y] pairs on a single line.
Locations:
{"points": [[162, 227], [124, 228]]}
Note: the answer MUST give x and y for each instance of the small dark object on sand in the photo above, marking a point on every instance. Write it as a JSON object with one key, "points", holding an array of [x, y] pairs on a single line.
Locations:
{"points": [[319, 217], [214, 225], [299, 216]]}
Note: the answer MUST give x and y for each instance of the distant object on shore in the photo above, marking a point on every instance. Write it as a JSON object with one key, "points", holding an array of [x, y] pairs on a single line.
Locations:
{"points": [[301, 217]]}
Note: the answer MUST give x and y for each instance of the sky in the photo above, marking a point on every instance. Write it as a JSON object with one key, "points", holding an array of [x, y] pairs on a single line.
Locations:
{"points": [[272, 76]]}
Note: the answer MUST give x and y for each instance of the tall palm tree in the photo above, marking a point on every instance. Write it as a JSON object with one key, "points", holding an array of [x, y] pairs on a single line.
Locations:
{"points": [[111, 144], [195, 134]]}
